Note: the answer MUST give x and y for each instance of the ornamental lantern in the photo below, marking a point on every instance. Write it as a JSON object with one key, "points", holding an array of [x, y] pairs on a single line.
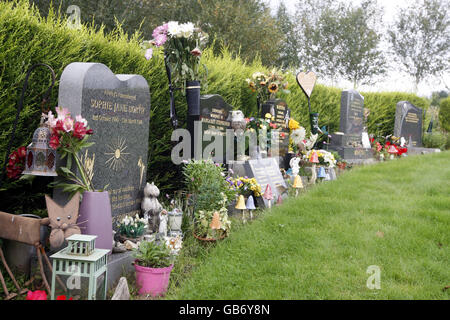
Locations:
{"points": [[41, 158], [175, 222]]}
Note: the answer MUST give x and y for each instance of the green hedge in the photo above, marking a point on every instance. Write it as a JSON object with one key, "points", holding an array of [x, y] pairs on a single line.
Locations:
{"points": [[26, 39], [444, 114]]}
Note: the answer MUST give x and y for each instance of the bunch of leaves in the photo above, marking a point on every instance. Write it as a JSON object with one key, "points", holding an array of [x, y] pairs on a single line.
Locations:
{"points": [[153, 255]]}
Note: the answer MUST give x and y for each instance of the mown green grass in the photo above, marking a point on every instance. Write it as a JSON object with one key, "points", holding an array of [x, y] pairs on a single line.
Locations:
{"points": [[319, 245]]}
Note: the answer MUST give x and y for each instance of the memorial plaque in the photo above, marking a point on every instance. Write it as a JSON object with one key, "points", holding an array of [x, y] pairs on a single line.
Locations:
{"points": [[408, 123], [266, 171], [352, 112], [280, 111], [117, 108], [215, 119]]}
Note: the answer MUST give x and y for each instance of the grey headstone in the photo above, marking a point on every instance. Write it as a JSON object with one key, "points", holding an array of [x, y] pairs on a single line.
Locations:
{"points": [[266, 171], [352, 112], [408, 123], [117, 108], [122, 292]]}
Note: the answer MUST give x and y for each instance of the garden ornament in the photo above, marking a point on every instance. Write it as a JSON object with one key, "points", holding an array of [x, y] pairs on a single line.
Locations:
{"points": [[63, 220], [321, 174], [298, 184], [215, 223], [238, 120], [294, 164], [268, 195], [250, 206], [25, 230], [163, 218], [314, 159], [151, 206], [240, 205]]}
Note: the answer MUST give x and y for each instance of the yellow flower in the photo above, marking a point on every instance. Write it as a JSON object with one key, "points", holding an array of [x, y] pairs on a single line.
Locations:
{"points": [[293, 125], [273, 87], [268, 116]]}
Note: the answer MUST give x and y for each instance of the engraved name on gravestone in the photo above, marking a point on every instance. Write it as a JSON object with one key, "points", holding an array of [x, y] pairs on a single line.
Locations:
{"points": [[280, 111], [215, 118], [266, 171], [408, 122], [117, 108], [352, 112]]}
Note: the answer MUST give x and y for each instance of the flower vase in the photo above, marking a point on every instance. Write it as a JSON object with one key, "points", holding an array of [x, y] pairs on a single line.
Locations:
{"points": [[95, 218], [193, 97]]}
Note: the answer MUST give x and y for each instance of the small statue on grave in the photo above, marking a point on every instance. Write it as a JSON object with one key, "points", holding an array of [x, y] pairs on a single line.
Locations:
{"points": [[294, 164], [163, 218], [238, 120], [151, 206]]}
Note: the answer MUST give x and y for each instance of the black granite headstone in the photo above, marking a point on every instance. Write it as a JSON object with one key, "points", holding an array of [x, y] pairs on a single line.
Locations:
{"points": [[117, 108], [266, 171], [215, 119], [352, 112], [408, 122]]}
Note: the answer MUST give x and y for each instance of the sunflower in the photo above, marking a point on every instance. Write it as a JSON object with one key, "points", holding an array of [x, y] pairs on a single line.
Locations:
{"points": [[273, 87]]}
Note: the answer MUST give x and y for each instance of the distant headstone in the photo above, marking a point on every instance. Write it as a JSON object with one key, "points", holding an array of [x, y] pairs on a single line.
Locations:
{"points": [[352, 142], [117, 108], [215, 119], [408, 123], [266, 171], [352, 112], [280, 111]]}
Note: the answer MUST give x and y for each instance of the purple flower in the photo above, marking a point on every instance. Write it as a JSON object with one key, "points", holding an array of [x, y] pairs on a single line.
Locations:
{"points": [[160, 34], [192, 179], [167, 196], [149, 54], [252, 119], [160, 40]]}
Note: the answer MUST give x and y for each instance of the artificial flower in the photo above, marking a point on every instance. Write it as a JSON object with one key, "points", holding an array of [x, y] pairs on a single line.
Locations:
{"points": [[37, 295]]}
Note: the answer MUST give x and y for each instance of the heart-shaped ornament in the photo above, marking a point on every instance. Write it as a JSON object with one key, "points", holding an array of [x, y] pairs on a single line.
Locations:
{"points": [[307, 81]]}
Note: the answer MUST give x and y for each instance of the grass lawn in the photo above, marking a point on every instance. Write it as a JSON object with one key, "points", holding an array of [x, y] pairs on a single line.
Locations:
{"points": [[395, 215]]}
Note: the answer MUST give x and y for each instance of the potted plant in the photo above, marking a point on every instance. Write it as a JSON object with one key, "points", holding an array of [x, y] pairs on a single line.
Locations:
{"points": [[153, 264], [132, 229], [69, 137]]}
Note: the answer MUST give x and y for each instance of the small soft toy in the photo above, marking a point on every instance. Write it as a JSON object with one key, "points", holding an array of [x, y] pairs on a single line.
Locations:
{"points": [[63, 219]]}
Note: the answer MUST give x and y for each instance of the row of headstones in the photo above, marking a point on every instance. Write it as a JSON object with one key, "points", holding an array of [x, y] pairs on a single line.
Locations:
{"points": [[117, 108]]}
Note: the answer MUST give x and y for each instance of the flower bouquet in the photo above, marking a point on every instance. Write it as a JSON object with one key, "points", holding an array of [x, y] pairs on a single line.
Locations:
{"points": [[16, 163], [69, 136], [245, 186], [183, 44], [326, 158], [267, 85]]}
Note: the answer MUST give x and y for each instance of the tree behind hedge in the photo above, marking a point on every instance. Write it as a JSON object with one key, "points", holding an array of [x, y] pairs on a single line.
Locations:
{"points": [[444, 114]]}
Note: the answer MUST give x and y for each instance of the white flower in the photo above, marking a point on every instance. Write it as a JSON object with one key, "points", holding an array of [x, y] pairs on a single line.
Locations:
{"points": [[174, 29], [187, 29], [298, 135]]}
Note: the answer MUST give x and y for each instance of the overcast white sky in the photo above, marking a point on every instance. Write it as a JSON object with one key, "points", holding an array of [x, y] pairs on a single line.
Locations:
{"points": [[393, 80]]}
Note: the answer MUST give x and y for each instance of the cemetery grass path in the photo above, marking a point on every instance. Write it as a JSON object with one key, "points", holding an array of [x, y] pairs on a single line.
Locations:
{"points": [[319, 245]]}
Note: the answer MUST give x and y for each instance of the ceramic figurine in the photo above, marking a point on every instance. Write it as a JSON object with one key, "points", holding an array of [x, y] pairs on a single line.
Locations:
{"points": [[151, 206], [250, 206], [294, 164], [238, 120], [163, 218], [240, 205]]}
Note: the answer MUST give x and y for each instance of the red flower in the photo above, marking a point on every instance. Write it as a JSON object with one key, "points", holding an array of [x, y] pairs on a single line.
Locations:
{"points": [[54, 141], [282, 135], [379, 147], [22, 152], [90, 131], [16, 163], [37, 295], [63, 298], [59, 127], [79, 130], [372, 140]]}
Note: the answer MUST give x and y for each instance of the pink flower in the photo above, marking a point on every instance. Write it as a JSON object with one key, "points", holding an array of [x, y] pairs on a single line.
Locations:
{"points": [[160, 35], [160, 40], [37, 295], [51, 120], [68, 124], [149, 54], [196, 52], [63, 113], [54, 142], [79, 118]]}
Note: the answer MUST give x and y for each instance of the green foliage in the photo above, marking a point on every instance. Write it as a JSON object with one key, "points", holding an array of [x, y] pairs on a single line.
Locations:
{"points": [[435, 140], [444, 114], [152, 255]]}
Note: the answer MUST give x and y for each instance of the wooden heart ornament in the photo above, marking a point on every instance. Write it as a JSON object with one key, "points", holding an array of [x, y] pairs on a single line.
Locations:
{"points": [[307, 81]]}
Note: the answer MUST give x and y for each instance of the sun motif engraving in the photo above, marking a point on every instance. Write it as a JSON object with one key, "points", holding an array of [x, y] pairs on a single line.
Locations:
{"points": [[117, 157]]}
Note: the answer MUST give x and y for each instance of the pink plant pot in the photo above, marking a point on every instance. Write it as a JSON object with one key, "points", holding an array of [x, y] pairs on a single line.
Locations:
{"points": [[152, 281]]}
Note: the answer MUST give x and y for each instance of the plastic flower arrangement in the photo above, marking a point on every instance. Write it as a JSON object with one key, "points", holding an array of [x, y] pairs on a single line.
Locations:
{"points": [[326, 158], [267, 85], [183, 44], [16, 163], [245, 186], [391, 148], [132, 227], [69, 136]]}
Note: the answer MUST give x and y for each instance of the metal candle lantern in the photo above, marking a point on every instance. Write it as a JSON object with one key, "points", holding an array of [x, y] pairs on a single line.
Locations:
{"points": [[41, 158], [175, 222]]}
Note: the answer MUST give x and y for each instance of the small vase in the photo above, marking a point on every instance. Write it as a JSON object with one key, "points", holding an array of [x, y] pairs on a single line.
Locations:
{"points": [[95, 218], [193, 97]]}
